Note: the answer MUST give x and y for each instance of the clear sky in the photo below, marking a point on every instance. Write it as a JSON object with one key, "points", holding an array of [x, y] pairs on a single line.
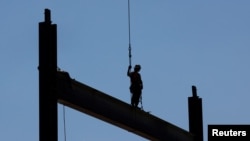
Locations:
{"points": [[178, 43]]}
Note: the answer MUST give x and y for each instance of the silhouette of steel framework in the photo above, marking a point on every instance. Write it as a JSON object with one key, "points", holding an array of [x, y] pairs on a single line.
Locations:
{"points": [[57, 86]]}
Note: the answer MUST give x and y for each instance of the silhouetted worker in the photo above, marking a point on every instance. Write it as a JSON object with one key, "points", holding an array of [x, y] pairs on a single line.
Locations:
{"points": [[136, 85]]}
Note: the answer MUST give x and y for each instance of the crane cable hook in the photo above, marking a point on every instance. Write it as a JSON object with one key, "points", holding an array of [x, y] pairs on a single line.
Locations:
{"points": [[129, 36]]}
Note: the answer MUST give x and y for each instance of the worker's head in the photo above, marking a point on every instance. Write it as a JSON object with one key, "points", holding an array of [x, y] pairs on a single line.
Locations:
{"points": [[137, 68]]}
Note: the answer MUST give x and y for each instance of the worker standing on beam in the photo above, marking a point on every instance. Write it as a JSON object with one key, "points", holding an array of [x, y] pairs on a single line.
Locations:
{"points": [[136, 85]]}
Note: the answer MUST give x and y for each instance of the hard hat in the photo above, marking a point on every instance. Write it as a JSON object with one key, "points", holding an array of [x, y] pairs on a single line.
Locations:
{"points": [[137, 66]]}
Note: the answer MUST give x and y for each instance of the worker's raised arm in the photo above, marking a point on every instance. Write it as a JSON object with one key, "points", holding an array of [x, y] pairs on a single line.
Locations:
{"points": [[129, 68]]}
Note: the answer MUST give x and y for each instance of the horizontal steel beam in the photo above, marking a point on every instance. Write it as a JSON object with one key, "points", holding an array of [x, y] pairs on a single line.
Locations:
{"points": [[116, 112]]}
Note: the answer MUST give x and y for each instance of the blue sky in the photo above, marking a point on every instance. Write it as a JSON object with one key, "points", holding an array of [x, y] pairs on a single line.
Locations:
{"points": [[178, 44]]}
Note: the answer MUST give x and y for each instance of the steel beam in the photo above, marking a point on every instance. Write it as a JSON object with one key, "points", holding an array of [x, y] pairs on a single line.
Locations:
{"points": [[47, 79], [195, 115], [93, 102]]}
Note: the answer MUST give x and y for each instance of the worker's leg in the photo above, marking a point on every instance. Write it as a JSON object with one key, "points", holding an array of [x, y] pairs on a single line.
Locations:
{"points": [[137, 96]]}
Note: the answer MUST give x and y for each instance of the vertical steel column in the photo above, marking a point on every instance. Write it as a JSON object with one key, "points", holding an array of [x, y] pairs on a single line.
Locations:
{"points": [[47, 80], [195, 115]]}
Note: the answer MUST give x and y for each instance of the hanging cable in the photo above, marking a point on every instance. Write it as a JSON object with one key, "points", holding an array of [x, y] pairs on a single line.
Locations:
{"points": [[129, 38], [141, 102], [64, 123]]}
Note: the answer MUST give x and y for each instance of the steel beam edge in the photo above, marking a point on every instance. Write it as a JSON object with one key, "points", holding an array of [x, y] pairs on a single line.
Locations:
{"points": [[102, 106]]}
